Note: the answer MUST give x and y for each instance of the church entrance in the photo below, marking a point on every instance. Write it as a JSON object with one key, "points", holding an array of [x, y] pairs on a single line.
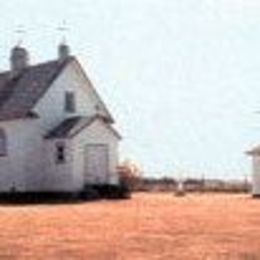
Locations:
{"points": [[96, 164]]}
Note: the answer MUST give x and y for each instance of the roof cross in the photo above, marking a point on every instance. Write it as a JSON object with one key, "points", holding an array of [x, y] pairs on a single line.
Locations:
{"points": [[20, 32], [63, 29]]}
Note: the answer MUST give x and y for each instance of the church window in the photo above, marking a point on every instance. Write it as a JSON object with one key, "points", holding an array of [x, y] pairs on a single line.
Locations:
{"points": [[70, 103], [3, 143]]}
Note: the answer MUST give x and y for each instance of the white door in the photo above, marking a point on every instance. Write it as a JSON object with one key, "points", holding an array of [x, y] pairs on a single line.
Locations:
{"points": [[96, 164]]}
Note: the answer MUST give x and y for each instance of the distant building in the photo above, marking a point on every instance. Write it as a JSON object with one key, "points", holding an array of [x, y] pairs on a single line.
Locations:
{"points": [[56, 134]]}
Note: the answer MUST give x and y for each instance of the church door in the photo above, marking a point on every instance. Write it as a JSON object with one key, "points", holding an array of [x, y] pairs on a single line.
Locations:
{"points": [[96, 164]]}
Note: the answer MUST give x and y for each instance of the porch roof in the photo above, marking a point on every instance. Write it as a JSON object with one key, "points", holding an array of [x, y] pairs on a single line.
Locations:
{"points": [[74, 125]]}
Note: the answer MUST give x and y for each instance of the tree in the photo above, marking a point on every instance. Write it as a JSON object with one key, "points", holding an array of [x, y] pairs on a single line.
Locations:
{"points": [[129, 174]]}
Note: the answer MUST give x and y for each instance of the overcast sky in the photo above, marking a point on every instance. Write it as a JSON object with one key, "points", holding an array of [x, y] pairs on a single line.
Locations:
{"points": [[181, 77]]}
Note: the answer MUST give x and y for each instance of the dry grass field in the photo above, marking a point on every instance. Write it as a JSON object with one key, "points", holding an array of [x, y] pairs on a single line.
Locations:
{"points": [[150, 226]]}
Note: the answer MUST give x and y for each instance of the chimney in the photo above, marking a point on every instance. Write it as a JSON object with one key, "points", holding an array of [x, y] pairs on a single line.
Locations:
{"points": [[63, 52], [19, 59]]}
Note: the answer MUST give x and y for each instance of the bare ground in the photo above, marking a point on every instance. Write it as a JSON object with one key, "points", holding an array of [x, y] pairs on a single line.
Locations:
{"points": [[150, 226]]}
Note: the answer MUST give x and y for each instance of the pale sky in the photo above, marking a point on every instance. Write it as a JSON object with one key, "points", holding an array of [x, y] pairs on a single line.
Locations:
{"points": [[180, 77]]}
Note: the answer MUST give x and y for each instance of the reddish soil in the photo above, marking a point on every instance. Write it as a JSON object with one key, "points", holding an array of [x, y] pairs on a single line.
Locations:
{"points": [[150, 226]]}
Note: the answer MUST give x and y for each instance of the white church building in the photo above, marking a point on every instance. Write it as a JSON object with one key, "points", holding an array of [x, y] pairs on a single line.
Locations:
{"points": [[56, 133]]}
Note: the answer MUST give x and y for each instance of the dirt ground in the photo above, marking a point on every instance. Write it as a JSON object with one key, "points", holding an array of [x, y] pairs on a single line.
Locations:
{"points": [[150, 226]]}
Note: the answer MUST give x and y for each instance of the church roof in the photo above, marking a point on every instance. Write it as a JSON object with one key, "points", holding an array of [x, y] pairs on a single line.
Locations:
{"points": [[19, 94], [74, 125], [254, 151]]}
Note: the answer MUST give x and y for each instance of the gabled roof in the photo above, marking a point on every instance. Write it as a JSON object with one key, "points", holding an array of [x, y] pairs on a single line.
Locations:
{"points": [[69, 127], [254, 151], [74, 125], [19, 94]]}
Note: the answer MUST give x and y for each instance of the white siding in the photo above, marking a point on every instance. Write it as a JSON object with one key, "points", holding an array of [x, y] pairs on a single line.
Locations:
{"points": [[51, 106], [22, 167], [30, 164], [59, 176]]}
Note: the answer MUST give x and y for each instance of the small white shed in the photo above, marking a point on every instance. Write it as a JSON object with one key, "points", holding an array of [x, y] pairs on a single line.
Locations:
{"points": [[255, 154]]}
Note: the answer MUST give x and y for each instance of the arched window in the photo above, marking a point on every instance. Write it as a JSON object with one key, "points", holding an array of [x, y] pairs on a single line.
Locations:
{"points": [[3, 143]]}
